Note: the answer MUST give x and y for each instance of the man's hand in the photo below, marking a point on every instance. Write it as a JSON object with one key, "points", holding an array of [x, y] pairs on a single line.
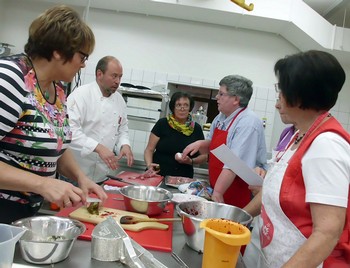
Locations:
{"points": [[107, 156], [125, 150]]}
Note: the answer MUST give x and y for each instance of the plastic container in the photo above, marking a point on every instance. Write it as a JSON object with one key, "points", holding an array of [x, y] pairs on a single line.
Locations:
{"points": [[9, 235], [222, 243]]}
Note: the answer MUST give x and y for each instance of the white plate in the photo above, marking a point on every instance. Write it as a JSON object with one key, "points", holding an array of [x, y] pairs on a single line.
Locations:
{"points": [[179, 198]]}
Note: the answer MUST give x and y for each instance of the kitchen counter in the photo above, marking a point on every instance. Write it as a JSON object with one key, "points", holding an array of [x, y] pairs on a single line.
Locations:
{"points": [[80, 255]]}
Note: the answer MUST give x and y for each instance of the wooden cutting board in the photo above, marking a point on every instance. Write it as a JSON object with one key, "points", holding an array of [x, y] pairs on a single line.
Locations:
{"points": [[147, 238], [82, 214]]}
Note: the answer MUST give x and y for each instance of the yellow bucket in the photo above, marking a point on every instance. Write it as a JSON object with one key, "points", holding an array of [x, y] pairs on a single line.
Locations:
{"points": [[222, 243]]}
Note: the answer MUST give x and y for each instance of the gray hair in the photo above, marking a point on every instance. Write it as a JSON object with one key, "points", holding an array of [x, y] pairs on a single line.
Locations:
{"points": [[238, 86]]}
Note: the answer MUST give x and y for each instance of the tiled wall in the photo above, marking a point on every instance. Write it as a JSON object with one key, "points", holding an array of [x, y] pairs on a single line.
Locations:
{"points": [[262, 103]]}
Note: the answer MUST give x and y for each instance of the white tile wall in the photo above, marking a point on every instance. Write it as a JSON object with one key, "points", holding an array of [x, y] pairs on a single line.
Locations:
{"points": [[262, 102]]}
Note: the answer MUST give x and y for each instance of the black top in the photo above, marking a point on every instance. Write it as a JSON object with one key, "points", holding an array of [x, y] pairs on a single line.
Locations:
{"points": [[170, 143]]}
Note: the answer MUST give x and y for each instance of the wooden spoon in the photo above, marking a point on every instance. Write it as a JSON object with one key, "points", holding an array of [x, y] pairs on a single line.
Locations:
{"points": [[133, 220]]}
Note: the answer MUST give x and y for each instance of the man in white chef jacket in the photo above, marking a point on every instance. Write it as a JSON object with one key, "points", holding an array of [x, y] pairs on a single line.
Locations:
{"points": [[98, 119]]}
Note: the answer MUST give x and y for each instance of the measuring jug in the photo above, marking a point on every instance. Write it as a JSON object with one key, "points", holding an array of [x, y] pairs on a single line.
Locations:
{"points": [[222, 242], [9, 235]]}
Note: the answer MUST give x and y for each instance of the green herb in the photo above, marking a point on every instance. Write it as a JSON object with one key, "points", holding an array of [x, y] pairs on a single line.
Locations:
{"points": [[93, 208]]}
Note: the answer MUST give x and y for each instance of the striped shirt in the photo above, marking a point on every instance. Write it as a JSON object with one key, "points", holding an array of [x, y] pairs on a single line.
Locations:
{"points": [[33, 132]]}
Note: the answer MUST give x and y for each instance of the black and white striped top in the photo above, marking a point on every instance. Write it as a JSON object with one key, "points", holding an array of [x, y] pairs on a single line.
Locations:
{"points": [[33, 132]]}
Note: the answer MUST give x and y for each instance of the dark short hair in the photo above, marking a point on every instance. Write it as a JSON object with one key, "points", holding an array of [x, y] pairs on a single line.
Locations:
{"points": [[178, 95], [103, 63], [311, 80], [59, 28], [238, 86]]}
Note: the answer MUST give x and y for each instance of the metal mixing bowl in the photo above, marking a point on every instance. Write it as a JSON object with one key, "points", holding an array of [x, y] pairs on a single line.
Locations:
{"points": [[48, 239], [148, 200], [193, 212]]}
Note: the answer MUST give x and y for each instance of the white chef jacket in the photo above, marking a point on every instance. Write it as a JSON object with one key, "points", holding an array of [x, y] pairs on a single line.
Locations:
{"points": [[95, 119]]}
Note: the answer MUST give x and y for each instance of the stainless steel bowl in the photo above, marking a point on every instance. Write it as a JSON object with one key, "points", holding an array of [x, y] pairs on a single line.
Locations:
{"points": [[148, 200], [48, 239], [193, 212]]}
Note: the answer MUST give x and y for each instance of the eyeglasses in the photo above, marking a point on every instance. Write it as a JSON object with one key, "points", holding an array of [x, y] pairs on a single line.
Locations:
{"points": [[277, 87], [84, 57], [182, 107], [221, 94]]}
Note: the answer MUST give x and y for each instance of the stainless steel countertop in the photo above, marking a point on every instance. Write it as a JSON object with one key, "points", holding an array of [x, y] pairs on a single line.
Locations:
{"points": [[80, 255]]}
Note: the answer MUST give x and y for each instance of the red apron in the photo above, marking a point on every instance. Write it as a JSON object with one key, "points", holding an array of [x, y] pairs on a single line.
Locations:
{"points": [[292, 198], [238, 193]]}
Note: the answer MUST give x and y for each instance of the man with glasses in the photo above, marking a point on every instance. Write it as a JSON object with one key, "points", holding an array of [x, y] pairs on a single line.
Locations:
{"points": [[242, 131], [97, 114]]}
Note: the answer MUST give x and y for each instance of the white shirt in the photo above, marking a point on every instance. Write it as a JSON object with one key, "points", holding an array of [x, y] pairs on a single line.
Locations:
{"points": [[326, 169], [95, 119]]}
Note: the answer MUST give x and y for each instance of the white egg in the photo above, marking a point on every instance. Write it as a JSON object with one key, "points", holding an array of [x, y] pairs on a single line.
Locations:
{"points": [[178, 156]]}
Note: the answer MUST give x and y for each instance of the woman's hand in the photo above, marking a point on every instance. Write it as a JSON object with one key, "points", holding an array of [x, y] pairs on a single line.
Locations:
{"points": [[153, 167], [62, 193], [217, 197], [90, 187]]}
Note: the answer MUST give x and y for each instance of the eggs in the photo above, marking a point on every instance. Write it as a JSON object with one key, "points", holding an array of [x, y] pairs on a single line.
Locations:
{"points": [[178, 156]]}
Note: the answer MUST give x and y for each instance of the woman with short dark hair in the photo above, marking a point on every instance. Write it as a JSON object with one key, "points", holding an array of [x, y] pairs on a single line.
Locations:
{"points": [[171, 135], [305, 213]]}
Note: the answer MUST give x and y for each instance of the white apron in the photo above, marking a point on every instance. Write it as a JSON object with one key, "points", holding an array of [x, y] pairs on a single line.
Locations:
{"points": [[279, 238]]}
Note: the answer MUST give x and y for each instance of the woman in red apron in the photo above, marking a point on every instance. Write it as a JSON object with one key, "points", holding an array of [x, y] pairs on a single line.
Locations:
{"points": [[305, 211]]}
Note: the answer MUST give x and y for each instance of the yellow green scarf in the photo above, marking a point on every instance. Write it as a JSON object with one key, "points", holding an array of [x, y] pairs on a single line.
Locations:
{"points": [[186, 129]]}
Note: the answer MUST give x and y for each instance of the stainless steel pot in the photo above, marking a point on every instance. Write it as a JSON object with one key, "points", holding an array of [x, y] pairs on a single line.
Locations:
{"points": [[193, 212], [148, 200]]}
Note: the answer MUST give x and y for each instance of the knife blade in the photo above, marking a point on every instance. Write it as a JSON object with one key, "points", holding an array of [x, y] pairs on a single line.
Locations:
{"points": [[121, 180], [93, 200]]}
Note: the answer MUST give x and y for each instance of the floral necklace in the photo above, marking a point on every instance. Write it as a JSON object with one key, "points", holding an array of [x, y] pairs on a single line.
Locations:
{"points": [[45, 94]]}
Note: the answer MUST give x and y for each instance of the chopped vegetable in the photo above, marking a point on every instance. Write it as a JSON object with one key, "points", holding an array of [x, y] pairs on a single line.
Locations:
{"points": [[93, 208]]}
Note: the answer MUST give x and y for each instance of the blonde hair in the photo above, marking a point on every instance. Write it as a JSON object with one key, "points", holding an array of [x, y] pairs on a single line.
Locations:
{"points": [[59, 28]]}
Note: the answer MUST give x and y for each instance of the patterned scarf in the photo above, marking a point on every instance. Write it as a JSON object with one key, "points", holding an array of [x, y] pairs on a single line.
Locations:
{"points": [[186, 129]]}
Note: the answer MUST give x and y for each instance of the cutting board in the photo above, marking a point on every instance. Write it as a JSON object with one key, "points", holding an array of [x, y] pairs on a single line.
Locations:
{"points": [[150, 239], [131, 177], [82, 214]]}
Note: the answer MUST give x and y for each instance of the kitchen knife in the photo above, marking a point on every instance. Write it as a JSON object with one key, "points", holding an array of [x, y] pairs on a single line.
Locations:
{"points": [[121, 180], [92, 200]]}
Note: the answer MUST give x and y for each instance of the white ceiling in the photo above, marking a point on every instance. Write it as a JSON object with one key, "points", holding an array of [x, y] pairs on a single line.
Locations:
{"points": [[337, 12]]}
